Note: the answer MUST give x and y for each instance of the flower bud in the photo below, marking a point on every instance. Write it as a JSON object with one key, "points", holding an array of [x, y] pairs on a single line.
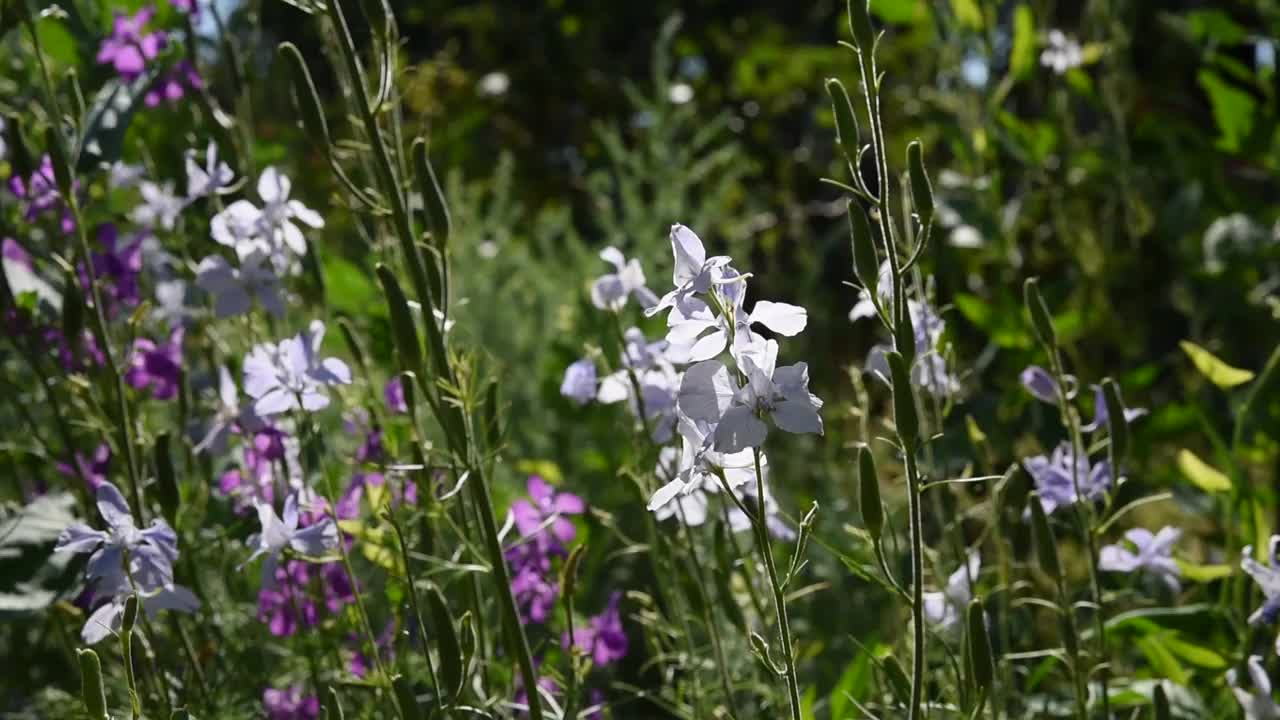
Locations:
{"points": [[904, 402], [866, 264], [864, 35], [921, 190], [1046, 545], [869, 493], [1041, 321], [1117, 425], [846, 122], [980, 655], [92, 690]]}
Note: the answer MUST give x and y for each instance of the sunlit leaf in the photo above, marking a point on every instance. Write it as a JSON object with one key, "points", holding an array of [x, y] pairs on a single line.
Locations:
{"points": [[1233, 109], [1201, 474], [1022, 59], [1204, 573], [1218, 372]]}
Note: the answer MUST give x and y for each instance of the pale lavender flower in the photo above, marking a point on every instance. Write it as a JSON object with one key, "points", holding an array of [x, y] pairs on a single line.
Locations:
{"points": [[236, 226], [393, 394], [692, 324], [696, 469], [291, 374], [1268, 579], [1257, 705], [278, 533], [1053, 477], [109, 617], [946, 608], [225, 417], [290, 704], [579, 384], [213, 178], [279, 212], [235, 289], [659, 383], [1152, 553], [151, 550], [160, 206], [123, 175], [1100, 414], [694, 273], [929, 371], [610, 291], [1040, 384]]}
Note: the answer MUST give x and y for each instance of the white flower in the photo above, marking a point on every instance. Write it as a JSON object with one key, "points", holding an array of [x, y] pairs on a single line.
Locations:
{"points": [[699, 465], [494, 84], [123, 175], [159, 208], [234, 289], [279, 212], [579, 382], [1153, 553], [680, 93], [1062, 54], [694, 272], [1257, 705], [657, 377], [225, 416], [610, 291], [314, 540], [692, 324], [691, 503], [291, 374], [212, 179], [946, 608], [271, 229]]}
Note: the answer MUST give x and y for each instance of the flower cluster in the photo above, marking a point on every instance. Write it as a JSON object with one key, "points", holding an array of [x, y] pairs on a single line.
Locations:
{"points": [[544, 533]]}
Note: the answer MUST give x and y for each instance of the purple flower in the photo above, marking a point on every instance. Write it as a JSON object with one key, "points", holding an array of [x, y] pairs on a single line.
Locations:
{"points": [[370, 451], [154, 548], [279, 533], [579, 383], [93, 470], [1268, 579], [1053, 477], [291, 374], [1257, 705], [12, 250], [1100, 415], [286, 606], [157, 367], [532, 583], [393, 393], [1040, 384], [603, 638], [173, 85], [120, 263], [235, 289], [40, 191], [130, 47], [1150, 552], [547, 504], [290, 704], [360, 662], [186, 6]]}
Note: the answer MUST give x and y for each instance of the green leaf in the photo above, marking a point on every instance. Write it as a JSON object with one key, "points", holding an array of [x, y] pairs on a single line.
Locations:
{"points": [[852, 684], [1218, 372], [1162, 659], [1233, 110], [1022, 59], [349, 288], [899, 11], [1201, 474], [109, 117], [967, 13], [1196, 655], [1204, 573]]}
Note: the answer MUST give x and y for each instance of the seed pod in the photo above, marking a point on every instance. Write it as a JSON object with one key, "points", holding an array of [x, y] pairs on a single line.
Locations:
{"points": [[1011, 493], [166, 480], [921, 190], [492, 416], [980, 655], [407, 697], [435, 210], [403, 329], [305, 90], [58, 158], [130, 615], [904, 337], [1117, 425], [1046, 545], [866, 263], [846, 122], [897, 678], [569, 571], [91, 688], [904, 401], [1161, 703], [446, 643], [467, 638], [1041, 320], [864, 35], [869, 493]]}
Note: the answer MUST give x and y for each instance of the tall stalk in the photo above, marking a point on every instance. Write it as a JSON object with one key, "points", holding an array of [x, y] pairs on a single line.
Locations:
{"points": [[779, 596]]}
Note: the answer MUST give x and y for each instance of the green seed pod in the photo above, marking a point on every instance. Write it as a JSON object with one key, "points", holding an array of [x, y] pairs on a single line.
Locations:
{"points": [[921, 189], [467, 637], [1161, 703], [760, 648], [402, 325], [1041, 320], [866, 263], [166, 478], [407, 697], [305, 89], [333, 704], [91, 688], [864, 36], [904, 401], [1011, 493], [904, 337], [869, 493], [435, 210], [897, 678], [1046, 545], [846, 122], [493, 416], [58, 158], [1117, 425], [569, 571], [130, 615], [446, 643], [980, 655]]}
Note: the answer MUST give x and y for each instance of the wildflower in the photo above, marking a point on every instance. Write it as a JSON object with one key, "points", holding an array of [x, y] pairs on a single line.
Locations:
{"points": [[224, 417], [579, 382], [157, 367], [171, 306], [109, 617], [279, 533], [1150, 552], [1053, 477], [291, 374], [689, 322], [130, 47], [698, 467], [290, 704], [694, 272], [122, 175], [92, 469], [173, 85], [610, 291], [603, 638], [119, 263], [235, 289], [159, 208], [659, 383], [393, 394], [211, 179], [929, 370], [40, 194], [286, 604], [1100, 417], [1041, 384], [548, 506], [279, 212], [1268, 579], [151, 550], [1257, 705], [532, 583], [1062, 54], [946, 608]]}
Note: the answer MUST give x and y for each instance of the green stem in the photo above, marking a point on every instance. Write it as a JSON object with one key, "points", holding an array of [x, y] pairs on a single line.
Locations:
{"points": [[779, 597], [917, 587]]}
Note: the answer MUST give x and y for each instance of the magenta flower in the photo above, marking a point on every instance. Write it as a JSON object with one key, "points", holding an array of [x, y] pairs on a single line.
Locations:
{"points": [[92, 469], [118, 262], [157, 367], [173, 85], [290, 704], [603, 638], [393, 394], [40, 192], [547, 505], [130, 47], [286, 605]]}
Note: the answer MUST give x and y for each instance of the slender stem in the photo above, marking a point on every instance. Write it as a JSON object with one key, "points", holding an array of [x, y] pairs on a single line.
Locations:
{"points": [[416, 608], [713, 629], [779, 597], [917, 587]]}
